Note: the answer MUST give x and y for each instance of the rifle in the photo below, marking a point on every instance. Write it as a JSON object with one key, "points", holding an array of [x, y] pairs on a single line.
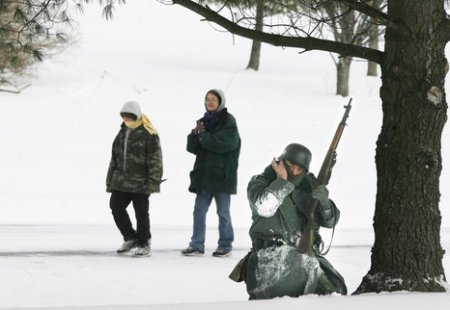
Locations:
{"points": [[307, 239]]}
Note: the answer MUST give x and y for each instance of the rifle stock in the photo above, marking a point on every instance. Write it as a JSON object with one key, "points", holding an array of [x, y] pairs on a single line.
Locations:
{"points": [[308, 233]]}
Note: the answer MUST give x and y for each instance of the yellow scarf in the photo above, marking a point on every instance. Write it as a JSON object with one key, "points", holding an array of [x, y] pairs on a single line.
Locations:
{"points": [[143, 121]]}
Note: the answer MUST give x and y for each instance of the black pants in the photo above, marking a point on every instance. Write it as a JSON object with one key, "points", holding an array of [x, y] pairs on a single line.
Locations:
{"points": [[118, 203]]}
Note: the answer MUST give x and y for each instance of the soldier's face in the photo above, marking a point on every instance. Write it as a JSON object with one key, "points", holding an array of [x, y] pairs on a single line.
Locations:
{"points": [[295, 169], [212, 103]]}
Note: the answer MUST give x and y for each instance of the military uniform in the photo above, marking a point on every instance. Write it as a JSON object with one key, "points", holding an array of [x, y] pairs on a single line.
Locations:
{"points": [[274, 267]]}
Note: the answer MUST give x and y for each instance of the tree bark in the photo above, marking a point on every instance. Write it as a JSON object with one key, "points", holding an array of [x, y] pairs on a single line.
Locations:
{"points": [[256, 45], [407, 254], [343, 76]]}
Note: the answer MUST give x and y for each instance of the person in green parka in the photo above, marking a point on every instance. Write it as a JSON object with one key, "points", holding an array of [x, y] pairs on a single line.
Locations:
{"points": [[279, 198], [216, 144]]}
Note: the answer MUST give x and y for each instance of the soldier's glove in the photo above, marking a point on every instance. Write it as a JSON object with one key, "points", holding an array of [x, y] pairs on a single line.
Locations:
{"points": [[199, 128], [320, 193]]}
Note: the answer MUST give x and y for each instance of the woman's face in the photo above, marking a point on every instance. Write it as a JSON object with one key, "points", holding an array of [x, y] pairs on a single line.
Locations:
{"points": [[212, 102], [127, 119]]}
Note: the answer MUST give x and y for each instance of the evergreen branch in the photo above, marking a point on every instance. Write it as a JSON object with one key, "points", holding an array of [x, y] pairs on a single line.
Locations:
{"points": [[307, 43], [32, 20]]}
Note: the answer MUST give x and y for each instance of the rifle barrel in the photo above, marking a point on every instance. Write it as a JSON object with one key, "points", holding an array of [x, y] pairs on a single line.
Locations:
{"points": [[307, 240]]}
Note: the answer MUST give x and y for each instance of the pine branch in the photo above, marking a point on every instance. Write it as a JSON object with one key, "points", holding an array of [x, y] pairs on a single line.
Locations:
{"points": [[308, 43], [41, 11]]}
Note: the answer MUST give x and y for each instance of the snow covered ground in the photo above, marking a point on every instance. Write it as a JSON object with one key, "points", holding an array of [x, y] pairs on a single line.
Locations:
{"points": [[57, 237], [75, 265]]}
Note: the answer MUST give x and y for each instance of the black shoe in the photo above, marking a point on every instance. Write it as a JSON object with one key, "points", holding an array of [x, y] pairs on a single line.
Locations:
{"points": [[221, 253], [191, 251]]}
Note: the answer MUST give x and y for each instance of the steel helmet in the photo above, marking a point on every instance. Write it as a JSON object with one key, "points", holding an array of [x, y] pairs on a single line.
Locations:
{"points": [[297, 154]]}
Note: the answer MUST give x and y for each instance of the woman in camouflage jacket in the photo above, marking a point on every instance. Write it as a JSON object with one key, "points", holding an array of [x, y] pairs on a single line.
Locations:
{"points": [[134, 173]]}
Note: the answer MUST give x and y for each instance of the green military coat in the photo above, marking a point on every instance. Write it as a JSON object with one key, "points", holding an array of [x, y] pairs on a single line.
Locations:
{"points": [[136, 162], [279, 270], [217, 154]]}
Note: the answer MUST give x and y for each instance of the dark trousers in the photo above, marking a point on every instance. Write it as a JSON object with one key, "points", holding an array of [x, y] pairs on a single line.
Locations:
{"points": [[118, 203]]}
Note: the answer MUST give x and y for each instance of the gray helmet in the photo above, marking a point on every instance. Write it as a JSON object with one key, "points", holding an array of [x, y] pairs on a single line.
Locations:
{"points": [[297, 154]]}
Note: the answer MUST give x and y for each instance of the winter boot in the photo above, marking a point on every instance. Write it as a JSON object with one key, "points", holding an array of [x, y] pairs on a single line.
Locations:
{"points": [[127, 246], [142, 251], [191, 251], [221, 253]]}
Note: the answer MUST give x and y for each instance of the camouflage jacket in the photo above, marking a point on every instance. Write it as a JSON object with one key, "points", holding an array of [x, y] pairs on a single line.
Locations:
{"points": [[136, 162]]}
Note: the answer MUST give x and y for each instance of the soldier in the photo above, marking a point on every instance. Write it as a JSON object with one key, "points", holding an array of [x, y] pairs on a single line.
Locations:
{"points": [[134, 173], [216, 144], [279, 198]]}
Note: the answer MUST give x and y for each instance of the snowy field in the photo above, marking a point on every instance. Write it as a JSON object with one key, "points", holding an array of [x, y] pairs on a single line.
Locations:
{"points": [[76, 265], [57, 236]]}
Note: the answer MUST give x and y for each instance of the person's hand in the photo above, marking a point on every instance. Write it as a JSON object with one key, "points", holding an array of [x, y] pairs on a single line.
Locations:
{"points": [[199, 128], [321, 194], [279, 168]]}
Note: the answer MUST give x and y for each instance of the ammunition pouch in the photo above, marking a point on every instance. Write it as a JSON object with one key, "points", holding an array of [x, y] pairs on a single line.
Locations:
{"points": [[262, 241]]}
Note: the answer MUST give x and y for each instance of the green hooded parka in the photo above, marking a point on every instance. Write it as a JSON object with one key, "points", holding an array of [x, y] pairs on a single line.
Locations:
{"points": [[217, 153]]}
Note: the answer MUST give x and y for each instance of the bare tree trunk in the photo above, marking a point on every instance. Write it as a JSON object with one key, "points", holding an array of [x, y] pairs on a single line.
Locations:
{"points": [[343, 76], [372, 67], [256, 45], [407, 254], [373, 40]]}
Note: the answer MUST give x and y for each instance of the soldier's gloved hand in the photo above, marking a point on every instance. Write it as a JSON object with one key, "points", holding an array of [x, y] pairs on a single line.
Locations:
{"points": [[321, 194]]}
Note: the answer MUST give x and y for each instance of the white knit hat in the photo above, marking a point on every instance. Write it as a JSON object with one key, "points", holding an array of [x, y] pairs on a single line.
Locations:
{"points": [[222, 98]]}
